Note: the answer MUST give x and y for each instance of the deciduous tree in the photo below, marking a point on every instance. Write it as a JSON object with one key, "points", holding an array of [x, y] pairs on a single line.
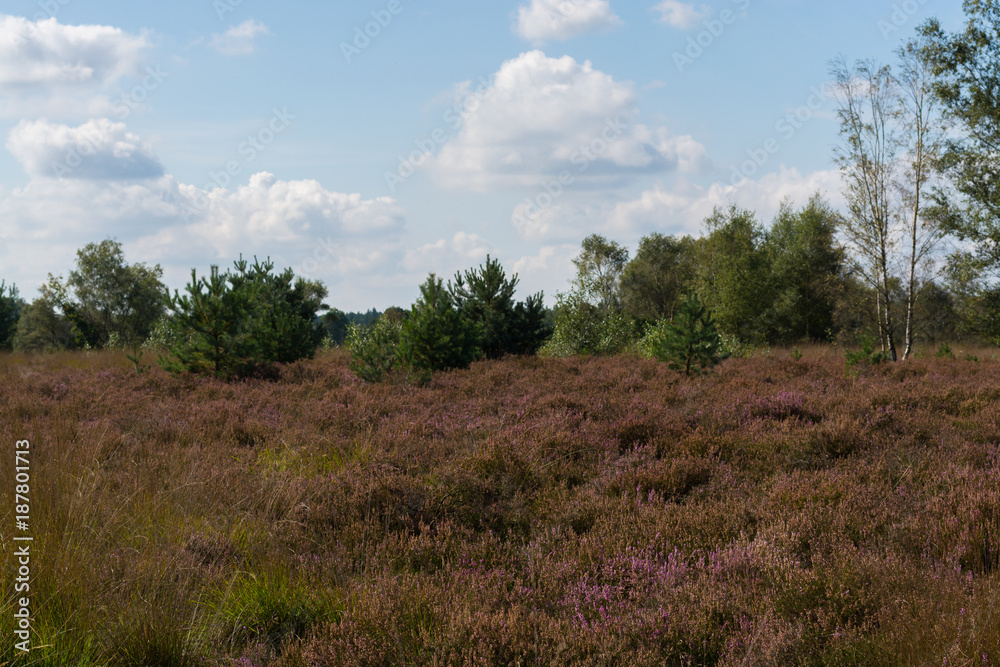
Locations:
{"points": [[655, 280], [11, 305], [733, 275], [868, 155]]}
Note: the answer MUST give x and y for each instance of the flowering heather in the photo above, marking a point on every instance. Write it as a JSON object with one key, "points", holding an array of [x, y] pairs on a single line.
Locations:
{"points": [[528, 511]]}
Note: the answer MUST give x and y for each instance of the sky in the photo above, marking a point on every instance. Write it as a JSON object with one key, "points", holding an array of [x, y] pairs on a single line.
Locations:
{"points": [[367, 144]]}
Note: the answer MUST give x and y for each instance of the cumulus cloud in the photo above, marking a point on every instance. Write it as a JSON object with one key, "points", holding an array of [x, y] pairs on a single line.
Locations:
{"points": [[47, 66], [98, 149], [680, 209], [544, 116], [547, 270], [445, 256], [682, 15], [543, 21], [240, 40], [537, 220], [685, 207], [120, 190], [268, 209]]}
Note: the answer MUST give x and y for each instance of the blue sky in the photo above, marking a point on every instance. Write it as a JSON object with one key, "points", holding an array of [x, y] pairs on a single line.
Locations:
{"points": [[367, 144]]}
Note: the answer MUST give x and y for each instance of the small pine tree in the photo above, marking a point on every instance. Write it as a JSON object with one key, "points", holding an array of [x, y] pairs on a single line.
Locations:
{"points": [[236, 324], [374, 349], [486, 296], [436, 336], [690, 343], [11, 306]]}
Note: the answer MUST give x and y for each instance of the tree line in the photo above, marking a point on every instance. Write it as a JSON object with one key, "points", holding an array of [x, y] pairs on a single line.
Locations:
{"points": [[918, 155]]}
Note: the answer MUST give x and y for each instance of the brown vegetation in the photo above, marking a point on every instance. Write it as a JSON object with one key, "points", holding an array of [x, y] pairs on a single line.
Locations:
{"points": [[577, 511]]}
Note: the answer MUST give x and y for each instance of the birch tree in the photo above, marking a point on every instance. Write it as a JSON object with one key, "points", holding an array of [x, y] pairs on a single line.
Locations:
{"points": [[920, 121], [870, 147]]}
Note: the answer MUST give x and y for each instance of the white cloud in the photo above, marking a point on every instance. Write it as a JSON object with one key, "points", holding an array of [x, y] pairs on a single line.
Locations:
{"points": [[547, 271], [240, 39], [543, 21], [48, 67], [301, 224], [269, 210], [445, 256], [543, 116], [561, 220], [684, 209], [680, 209], [681, 15], [98, 149]]}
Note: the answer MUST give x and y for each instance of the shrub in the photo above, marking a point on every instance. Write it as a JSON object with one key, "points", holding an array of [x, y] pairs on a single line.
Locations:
{"points": [[733, 347], [236, 324], [162, 336], [486, 296], [374, 349], [582, 329], [436, 336], [42, 327], [866, 356], [11, 305], [689, 343]]}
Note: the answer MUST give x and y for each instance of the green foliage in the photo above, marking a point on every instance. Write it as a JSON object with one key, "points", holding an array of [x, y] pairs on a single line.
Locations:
{"points": [[42, 328], [806, 266], [104, 302], [112, 297], [486, 296], [796, 354], [972, 300], [866, 356], [944, 351], [582, 328], [162, 336], [11, 305], [599, 269], [395, 314], [689, 343], [646, 345], [335, 325], [374, 349], [272, 608], [733, 276], [436, 336], [530, 326], [966, 80], [653, 284], [589, 319], [236, 324], [136, 358], [737, 349]]}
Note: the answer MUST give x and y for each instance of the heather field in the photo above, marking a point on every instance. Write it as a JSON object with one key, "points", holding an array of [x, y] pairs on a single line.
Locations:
{"points": [[581, 511]]}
